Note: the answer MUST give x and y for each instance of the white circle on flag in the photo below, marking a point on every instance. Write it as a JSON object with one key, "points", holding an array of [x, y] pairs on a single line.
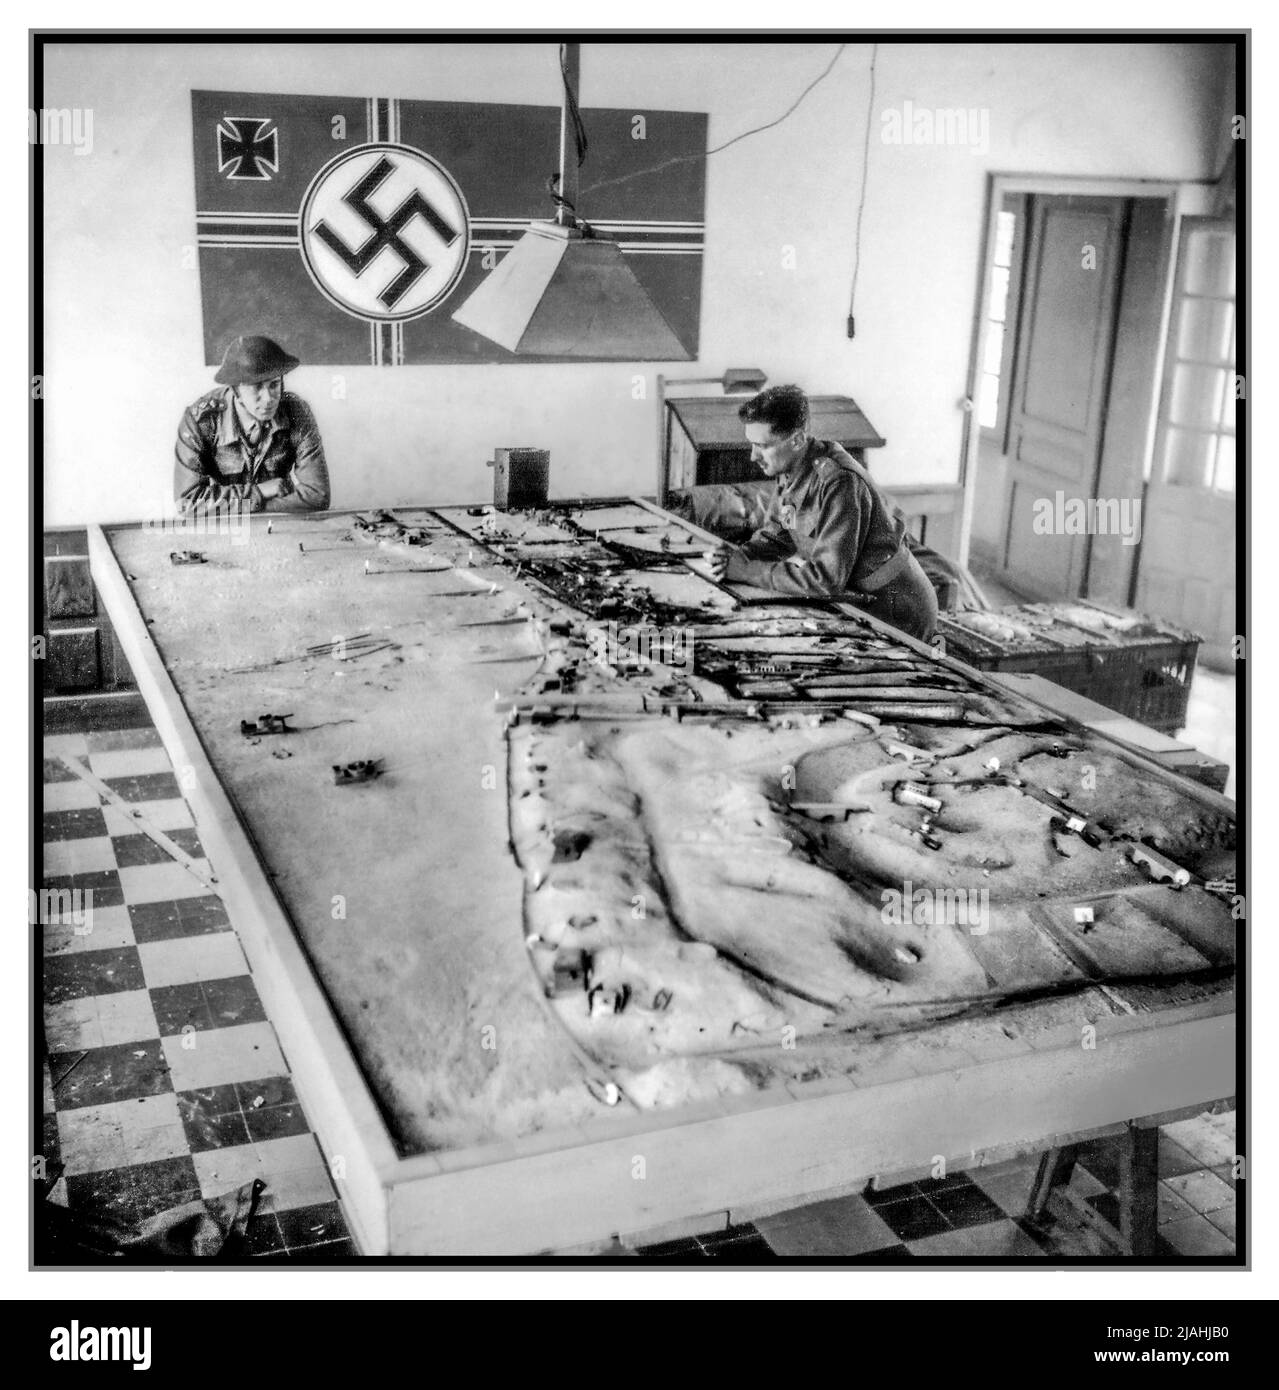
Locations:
{"points": [[385, 232]]}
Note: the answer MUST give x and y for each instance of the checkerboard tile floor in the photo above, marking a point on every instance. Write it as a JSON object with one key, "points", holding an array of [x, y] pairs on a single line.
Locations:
{"points": [[981, 1214], [164, 1081]]}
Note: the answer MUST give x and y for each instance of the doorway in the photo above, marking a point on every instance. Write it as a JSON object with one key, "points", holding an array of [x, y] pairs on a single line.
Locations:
{"points": [[1067, 389]]}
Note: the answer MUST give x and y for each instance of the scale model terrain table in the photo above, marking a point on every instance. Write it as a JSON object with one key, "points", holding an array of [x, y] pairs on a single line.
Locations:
{"points": [[564, 945]]}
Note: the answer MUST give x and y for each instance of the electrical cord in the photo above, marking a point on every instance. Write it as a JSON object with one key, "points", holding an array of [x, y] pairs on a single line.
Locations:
{"points": [[560, 201], [685, 158], [861, 204], [579, 140], [574, 111]]}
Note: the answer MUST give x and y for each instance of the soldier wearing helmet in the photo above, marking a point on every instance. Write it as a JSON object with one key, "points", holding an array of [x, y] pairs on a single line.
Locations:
{"points": [[250, 445]]}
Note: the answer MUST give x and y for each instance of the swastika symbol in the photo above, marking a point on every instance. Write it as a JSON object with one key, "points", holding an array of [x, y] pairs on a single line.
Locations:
{"points": [[385, 232]]}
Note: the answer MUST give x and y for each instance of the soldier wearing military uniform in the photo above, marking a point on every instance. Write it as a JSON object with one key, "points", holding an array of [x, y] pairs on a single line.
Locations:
{"points": [[250, 445], [829, 531]]}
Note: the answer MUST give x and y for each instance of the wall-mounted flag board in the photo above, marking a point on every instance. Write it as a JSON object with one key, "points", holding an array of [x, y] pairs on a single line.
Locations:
{"points": [[351, 228]]}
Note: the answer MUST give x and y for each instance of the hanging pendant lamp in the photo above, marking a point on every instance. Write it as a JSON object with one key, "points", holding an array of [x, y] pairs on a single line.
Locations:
{"points": [[563, 290]]}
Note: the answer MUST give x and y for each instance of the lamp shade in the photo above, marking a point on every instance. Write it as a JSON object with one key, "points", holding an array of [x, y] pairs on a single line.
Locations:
{"points": [[560, 294]]}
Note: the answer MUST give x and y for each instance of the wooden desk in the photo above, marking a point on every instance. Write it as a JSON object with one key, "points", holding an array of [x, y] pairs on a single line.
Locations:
{"points": [[704, 442]]}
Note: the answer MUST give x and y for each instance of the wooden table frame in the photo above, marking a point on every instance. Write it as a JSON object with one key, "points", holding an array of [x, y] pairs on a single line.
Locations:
{"points": [[1053, 1199], [706, 1165]]}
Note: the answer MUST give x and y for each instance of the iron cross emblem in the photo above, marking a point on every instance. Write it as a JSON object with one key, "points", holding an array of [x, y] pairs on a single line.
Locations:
{"points": [[247, 149]]}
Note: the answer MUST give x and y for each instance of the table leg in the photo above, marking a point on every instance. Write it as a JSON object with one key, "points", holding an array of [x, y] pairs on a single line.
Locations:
{"points": [[1139, 1189]]}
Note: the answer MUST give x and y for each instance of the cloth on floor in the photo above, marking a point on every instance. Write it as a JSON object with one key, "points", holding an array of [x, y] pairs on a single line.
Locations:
{"points": [[201, 1229]]}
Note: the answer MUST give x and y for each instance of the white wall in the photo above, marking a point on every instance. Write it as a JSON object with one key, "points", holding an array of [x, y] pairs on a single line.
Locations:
{"points": [[123, 342]]}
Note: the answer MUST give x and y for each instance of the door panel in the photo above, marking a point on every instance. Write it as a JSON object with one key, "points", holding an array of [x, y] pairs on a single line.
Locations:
{"points": [[1047, 565], [1187, 568], [1186, 571], [1134, 384], [1051, 449], [1067, 315], [1060, 379]]}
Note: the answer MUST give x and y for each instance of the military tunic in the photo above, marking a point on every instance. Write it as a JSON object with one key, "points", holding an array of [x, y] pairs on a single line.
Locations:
{"points": [[830, 533], [217, 468]]}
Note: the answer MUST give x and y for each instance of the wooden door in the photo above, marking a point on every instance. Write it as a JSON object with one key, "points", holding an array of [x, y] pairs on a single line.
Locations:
{"points": [[1061, 379], [1186, 569]]}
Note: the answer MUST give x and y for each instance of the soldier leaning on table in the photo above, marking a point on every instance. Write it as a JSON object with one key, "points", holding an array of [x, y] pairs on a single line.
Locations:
{"points": [[829, 532], [250, 445]]}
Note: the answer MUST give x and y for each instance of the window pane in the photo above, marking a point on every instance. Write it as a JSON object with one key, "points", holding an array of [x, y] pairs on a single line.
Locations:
{"points": [[1227, 421], [1225, 479], [1188, 458], [999, 294], [1210, 264], [988, 402], [1207, 330], [994, 347], [1196, 395], [1005, 226]]}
